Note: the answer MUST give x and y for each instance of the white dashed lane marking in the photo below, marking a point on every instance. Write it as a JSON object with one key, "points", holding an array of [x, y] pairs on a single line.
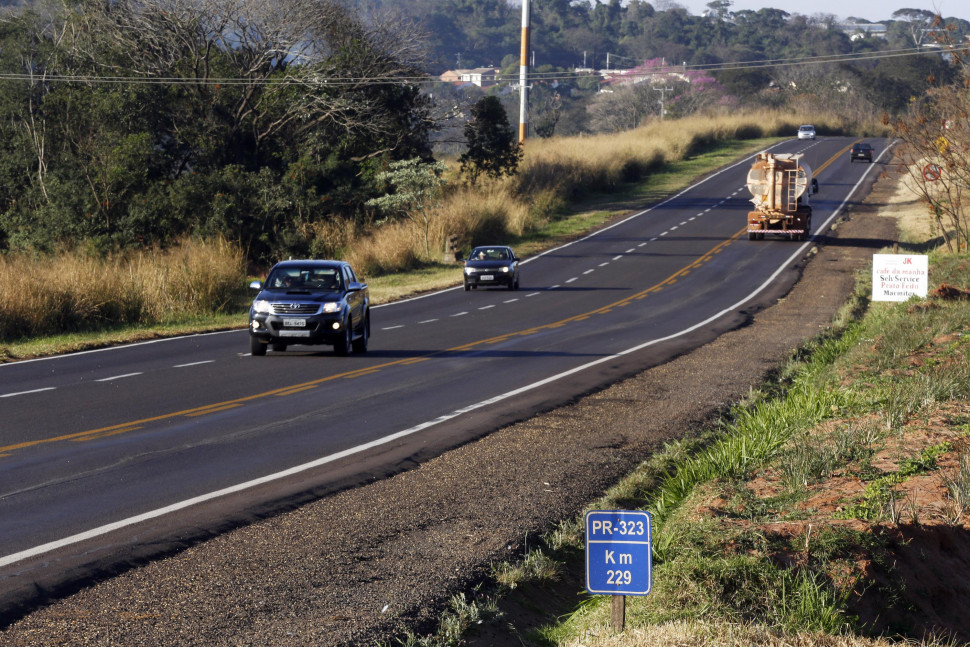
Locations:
{"points": [[11, 395], [117, 377]]}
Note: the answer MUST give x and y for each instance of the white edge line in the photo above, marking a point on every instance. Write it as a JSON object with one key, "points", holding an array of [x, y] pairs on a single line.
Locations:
{"points": [[110, 348], [745, 160], [181, 505]]}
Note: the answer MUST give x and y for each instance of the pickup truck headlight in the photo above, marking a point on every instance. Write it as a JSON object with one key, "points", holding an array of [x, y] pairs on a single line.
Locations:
{"points": [[331, 306], [261, 306]]}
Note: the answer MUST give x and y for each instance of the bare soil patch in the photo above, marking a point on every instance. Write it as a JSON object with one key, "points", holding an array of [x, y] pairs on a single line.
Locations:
{"points": [[357, 567]]}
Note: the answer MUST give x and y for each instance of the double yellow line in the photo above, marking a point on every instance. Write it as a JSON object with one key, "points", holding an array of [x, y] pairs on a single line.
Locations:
{"points": [[125, 427]]}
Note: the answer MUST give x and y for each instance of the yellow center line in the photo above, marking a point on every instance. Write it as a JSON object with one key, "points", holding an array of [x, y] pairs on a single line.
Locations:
{"points": [[830, 160], [296, 388], [218, 408], [103, 434]]}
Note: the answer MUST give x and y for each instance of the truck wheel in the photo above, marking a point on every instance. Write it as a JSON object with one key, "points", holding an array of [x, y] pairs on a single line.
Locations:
{"points": [[752, 235], [342, 347], [256, 347], [359, 345]]}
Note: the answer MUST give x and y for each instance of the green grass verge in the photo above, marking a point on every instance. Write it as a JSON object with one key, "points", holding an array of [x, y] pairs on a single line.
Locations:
{"points": [[842, 399]]}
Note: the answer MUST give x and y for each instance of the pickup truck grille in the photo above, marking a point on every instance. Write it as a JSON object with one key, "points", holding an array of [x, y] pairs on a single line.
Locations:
{"points": [[283, 308]]}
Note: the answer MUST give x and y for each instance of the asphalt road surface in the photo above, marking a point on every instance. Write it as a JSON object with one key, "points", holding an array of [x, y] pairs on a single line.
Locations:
{"points": [[104, 453]]}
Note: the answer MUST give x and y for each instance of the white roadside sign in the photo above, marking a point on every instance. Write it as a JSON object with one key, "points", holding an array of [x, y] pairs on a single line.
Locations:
{"points": [[897, 277]]}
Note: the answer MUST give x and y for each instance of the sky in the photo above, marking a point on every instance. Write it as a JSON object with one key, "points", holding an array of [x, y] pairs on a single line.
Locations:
{"points": [[868, 9]]}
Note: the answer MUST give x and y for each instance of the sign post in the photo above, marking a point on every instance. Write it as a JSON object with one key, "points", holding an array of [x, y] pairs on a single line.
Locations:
{"points": [[618, 557]]}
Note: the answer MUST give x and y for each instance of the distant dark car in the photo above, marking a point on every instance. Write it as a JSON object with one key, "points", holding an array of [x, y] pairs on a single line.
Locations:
{"points": [[310, 302], [860, 151], [492, 265]]}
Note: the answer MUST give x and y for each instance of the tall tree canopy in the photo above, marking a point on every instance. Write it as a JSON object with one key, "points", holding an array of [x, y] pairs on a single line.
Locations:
{"points": [[138, 122]]}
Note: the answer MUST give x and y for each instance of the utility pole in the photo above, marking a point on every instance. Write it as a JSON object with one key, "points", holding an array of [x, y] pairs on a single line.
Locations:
{"points": [[662, 92], [524, 75]]}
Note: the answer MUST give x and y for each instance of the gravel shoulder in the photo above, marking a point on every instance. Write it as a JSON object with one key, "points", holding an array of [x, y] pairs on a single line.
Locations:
{"points": [[356, 567]]}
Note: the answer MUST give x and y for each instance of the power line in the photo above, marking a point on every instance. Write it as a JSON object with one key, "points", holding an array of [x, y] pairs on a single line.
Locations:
{"points": [[316, 80]]}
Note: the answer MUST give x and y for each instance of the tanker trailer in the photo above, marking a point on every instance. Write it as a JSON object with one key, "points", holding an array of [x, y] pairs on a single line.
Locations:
{"points": [[779, 184]]}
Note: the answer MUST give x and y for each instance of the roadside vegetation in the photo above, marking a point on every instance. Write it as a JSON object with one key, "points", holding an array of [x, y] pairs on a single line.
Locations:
{"points": [[80, 297], [829, 507]]}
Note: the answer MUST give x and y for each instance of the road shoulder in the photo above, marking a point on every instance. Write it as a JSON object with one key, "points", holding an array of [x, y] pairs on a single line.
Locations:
{"points": [[354, 567]]}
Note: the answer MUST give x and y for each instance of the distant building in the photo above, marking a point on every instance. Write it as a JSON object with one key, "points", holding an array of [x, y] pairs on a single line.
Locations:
{"points": [[483, 77], [451, 76], [859, 30]]}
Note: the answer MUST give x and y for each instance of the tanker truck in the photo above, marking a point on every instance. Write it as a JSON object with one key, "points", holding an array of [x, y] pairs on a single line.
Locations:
{"points": [[779, 184]]}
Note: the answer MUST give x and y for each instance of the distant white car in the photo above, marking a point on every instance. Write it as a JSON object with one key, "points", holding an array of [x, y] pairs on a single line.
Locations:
{"points": [[806, 132]]}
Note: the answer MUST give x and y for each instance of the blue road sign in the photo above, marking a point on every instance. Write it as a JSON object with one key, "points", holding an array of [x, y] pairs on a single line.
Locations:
{"points": [[618, 552]]}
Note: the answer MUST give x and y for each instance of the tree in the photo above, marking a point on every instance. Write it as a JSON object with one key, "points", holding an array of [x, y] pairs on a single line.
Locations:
{"points": [[624, 107], [140, 122], [917, 23], [492, 147], [290, 67], [936, 132], [417, 189]]}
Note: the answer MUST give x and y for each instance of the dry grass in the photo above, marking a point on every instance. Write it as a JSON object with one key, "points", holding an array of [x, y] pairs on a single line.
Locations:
{"points": [[592, 163], [555, 171], [70, 292], [696, 634], [74, 292]]}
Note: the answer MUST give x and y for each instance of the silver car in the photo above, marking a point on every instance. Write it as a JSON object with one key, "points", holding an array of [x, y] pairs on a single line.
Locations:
{"points": [[806, 132]]}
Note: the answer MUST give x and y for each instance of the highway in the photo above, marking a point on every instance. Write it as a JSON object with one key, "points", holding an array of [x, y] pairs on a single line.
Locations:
{"points": [[115, 454]]}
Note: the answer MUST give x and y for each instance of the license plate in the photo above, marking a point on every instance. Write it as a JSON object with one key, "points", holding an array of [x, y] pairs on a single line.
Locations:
{"points": [[294, 323], [486, 277], [294, 333]]}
